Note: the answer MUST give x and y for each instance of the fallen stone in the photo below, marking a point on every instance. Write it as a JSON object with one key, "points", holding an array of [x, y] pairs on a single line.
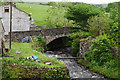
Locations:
{"points": [[94, 76], [48, 63]]}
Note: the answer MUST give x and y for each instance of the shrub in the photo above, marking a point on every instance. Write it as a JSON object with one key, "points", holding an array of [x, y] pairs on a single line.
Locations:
{"points": [[75, 47], [34, 72], [39, 43], [76, 37], [100, 51]]}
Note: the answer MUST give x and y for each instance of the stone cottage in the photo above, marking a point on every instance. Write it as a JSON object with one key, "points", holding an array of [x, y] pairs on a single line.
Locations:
{"points": [[1, 35], [20, 19]]}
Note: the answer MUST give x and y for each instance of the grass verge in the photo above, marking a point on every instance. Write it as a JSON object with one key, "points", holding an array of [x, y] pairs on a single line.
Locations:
{"points": [[20, 67], [27, 51]]}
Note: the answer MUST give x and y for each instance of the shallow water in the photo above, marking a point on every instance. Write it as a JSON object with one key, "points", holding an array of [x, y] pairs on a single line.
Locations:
{"points": [[75, 70]]}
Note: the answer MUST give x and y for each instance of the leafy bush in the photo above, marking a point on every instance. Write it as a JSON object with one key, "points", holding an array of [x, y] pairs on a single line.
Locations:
{"points": [[39, 43], [114, 29], [75, 47], [79, 34], [76, 37], [112, 63], [100, 59], [100, 52]]}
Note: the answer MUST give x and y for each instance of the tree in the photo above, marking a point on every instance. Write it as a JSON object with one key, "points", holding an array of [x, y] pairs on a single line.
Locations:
{"points": [[52, 3], [99, 25], [112, 6], [80, 13], [56, 16]]}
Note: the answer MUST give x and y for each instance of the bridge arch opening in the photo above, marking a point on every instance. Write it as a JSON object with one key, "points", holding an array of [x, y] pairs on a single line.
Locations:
{"points": [[59, 43]]}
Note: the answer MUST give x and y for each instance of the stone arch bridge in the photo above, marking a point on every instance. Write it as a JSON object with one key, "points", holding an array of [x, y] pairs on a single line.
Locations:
{"points": [[54, 33], [48, 34]]}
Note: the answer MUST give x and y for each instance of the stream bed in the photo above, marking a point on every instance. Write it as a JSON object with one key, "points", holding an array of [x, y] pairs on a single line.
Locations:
{"points": [[76, 71]]}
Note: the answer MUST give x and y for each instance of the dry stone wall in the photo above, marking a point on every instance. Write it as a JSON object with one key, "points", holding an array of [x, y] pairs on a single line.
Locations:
{"points": [[85, 46], [37, 72]]}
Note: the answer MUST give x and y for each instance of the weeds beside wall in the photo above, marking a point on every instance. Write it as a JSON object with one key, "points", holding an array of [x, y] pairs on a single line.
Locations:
{"points": [[39, 43], [15, 71]]}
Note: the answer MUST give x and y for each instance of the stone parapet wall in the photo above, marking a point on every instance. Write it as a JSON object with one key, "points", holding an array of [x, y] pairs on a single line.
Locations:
{"points": [[56, 31], [48, 34], [115, 52], [19, 35]]}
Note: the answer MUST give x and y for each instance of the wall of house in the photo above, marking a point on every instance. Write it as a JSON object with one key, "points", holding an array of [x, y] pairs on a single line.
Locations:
{"points": [[1, 9], [20, 21], [1, 34]]}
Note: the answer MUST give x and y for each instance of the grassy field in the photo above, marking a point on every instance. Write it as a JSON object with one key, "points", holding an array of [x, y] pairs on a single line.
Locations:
{"points": [[39, 12], [27, 51]]}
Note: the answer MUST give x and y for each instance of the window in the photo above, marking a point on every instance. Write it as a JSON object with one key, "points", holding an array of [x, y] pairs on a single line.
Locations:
{"points": [[6, 9]]}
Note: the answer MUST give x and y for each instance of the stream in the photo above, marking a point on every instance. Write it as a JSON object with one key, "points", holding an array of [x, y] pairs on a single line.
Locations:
{"points": [[76, 71]]}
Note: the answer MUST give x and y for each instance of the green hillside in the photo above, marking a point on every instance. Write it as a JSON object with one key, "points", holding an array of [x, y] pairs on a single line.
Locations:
{"points": [[39, 12]]}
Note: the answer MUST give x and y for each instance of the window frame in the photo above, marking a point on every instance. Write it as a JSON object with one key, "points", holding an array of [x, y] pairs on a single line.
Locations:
{"points": [[7, 9]]}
